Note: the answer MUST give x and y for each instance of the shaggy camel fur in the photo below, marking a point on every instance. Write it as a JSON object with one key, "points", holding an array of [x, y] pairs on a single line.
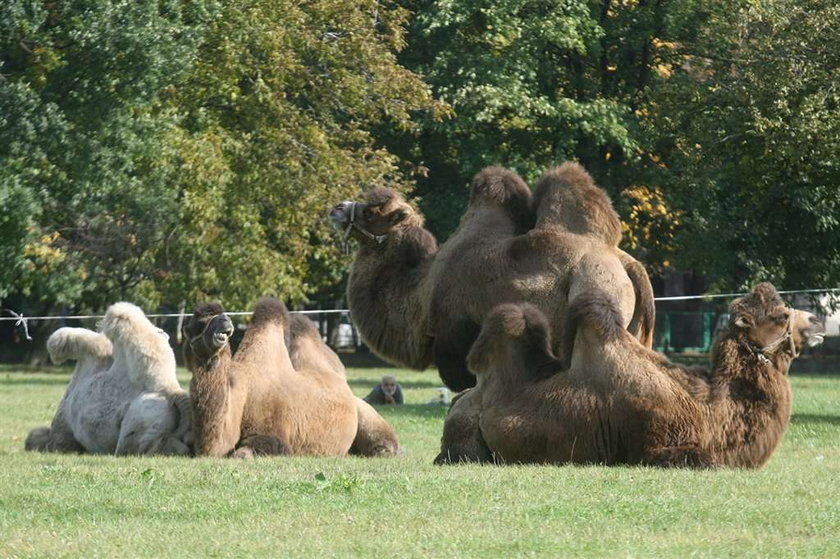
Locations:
{"points": [[414, 304], [123, 397], [375, 436], [256, 402], [621, 403]]}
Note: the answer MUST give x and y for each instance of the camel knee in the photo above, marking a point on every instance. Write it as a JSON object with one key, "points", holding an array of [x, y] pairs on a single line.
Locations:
{"points": [[261, 445], [38, 439]]}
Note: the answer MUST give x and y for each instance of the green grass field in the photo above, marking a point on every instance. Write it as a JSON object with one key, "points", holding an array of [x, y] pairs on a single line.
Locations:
{"points": [[59, 505]]}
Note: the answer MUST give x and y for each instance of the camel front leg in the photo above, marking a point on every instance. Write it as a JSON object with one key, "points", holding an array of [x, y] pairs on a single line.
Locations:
{"points": [[452, 344], [251, 446], [685, 456], [462, 441]]}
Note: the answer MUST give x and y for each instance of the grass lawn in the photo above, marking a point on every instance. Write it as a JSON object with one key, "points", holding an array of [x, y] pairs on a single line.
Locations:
{"points": [[55, 505]]}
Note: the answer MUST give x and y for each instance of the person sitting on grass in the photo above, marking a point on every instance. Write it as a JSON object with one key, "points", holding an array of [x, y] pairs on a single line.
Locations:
{"points": [[386, 392]]}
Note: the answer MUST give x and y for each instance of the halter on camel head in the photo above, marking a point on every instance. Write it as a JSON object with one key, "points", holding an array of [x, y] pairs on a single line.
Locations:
{"points": [[763, 354]]}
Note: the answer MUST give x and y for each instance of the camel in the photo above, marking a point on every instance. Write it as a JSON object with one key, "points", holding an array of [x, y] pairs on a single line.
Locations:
{"points": [[618, 402], [256, 402], [415, 304], [123, 397]]}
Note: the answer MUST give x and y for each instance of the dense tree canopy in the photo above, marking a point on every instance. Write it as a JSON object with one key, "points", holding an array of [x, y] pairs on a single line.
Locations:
{"points": [[169, 151], [173, 150], [752, 127]]}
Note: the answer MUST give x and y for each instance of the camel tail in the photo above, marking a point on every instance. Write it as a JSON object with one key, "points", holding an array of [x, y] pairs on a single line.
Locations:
{"points": [[76, 343], [597, 311], [644, 314]]}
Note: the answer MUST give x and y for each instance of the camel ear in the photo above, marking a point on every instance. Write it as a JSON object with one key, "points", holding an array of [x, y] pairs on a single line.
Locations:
{"points": [[398, 216], [744, 321]]}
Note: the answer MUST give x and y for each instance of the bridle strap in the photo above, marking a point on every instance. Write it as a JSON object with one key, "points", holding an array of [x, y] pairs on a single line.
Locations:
{"points": [[378, 239], [204, 331]]}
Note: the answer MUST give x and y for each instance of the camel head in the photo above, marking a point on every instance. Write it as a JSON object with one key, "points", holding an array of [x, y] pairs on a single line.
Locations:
{"points": [[207, 334], [513, 334], [383, 212], [766, 325]]}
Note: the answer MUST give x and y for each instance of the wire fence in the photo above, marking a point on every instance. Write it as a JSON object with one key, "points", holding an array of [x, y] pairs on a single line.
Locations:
{"points": [[684, 323]]}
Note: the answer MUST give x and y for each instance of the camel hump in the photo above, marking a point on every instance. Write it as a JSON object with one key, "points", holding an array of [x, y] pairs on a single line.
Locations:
{"points": [[595, 309], [504, 188], [519, 326], [567, 197], [269, 309], [123, 313], [76, 343]]}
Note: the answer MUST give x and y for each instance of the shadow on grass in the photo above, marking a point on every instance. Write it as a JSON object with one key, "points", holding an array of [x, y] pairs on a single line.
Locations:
{"points": [[805, 418]]}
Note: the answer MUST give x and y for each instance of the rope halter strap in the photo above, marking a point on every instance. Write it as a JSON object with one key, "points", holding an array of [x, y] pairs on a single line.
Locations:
{"points": [[378, 239], [200, 336]]}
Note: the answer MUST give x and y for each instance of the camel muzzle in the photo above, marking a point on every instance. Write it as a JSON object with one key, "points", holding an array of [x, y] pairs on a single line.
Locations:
{"points": [[222, 337], [340, 215]]}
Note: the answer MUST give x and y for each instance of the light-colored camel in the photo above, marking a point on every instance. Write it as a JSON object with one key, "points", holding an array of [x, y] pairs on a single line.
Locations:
{"points": [[415, 304], [621, 403], [123, 397], [256, 402]]}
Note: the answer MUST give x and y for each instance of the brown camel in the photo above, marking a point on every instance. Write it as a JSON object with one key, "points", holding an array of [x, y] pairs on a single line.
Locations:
{"points": [[256, 402], [415, 304], [375, 436], [621, 403]]}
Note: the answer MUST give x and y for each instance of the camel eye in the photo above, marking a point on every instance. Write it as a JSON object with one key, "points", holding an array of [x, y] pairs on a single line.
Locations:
{"points": [[781, 318]]}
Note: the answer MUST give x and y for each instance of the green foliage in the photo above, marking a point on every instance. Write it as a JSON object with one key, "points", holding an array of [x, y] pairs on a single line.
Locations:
{"points": [[754, 127], [173, 150], [533, 83], [278, 119], [85, 138]]}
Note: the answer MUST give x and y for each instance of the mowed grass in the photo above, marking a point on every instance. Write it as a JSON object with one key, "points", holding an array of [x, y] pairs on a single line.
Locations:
{"points": [[59, 505]]}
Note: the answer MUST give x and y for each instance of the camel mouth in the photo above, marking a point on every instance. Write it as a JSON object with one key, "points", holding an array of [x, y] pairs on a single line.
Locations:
{"points": [[220, 338], [814, 340], [339, 215]]}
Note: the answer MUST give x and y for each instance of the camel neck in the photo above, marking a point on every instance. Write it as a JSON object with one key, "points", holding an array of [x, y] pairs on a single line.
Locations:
{"points": [[386, 294], [213, 392], [751, 404]]}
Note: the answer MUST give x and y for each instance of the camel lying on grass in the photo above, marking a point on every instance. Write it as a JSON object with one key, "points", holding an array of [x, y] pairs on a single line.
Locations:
{"points": [[123, 397], [284, 392], [415, 304], [618, 402]]}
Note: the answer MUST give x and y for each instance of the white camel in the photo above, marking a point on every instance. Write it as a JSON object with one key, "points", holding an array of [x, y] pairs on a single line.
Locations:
{"points": [[123, 397]]}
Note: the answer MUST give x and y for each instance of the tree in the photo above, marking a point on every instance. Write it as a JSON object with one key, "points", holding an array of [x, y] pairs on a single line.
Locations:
{"points": [[752, 123], [83, 143], [535, 82], [172, 150], [279, 114]]}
